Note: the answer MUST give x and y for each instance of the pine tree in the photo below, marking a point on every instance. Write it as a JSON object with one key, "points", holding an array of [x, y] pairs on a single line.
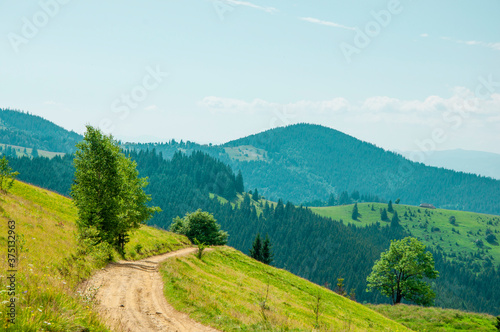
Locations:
{"points": [[239, 183], [383, 215], [256, 250], [355, 212], [389, 207], [255, 195], [267, 254], [340, 287], [395, 220], [331, 200]]}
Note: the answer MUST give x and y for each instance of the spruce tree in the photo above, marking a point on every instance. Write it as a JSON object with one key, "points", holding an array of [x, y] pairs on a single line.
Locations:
{"points": [[389, 207], [267, 254], [239, 183], [255, 195], [256, 250], [355, 212], [383, 215]]}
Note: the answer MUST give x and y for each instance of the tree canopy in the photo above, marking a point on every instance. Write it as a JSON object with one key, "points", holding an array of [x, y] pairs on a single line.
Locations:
{"points": [[107, 191], [7, 175], [399, 272], [200, 226]]}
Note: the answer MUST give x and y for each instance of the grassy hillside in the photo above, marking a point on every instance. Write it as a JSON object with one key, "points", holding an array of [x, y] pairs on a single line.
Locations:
{"points": [[459, 241], [230, 291], [51, 264], [436, 319]]}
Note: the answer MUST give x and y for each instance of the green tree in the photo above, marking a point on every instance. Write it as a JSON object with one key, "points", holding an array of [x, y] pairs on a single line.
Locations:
{"points": [[267, 253], [340, 289], [200, 226], [256, 250], [355, 212], [389, 207], [7, 176], [239, 183], [383, 215], [395, 217], [34, 153], [399, 272], [107, 191], [255, 195]]}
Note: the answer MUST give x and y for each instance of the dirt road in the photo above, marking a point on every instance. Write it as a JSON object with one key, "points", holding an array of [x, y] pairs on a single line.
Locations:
{"points": [[130, 297]]}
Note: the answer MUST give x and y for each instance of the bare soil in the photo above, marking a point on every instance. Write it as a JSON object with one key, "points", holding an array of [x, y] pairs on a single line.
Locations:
{"points": [[129, 297]]}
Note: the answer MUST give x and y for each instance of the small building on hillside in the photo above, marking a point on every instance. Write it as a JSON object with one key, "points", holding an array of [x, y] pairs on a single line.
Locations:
{"points": [[427, 206]]}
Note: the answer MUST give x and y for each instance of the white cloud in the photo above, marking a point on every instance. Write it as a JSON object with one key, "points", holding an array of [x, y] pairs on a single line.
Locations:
{"points": [[270, 10], [427, 112], [423, 35], [490, 45], [327, 23]]}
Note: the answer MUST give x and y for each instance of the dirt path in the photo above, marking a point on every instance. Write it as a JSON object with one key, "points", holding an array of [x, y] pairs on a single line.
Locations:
{"points": [[130, 297]]}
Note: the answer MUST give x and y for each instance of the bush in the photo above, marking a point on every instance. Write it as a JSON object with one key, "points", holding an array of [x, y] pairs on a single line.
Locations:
{"points": [[201, 226]]}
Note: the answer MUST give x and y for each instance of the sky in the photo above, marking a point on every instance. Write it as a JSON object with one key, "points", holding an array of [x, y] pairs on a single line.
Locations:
{"points": [[404, 75]]}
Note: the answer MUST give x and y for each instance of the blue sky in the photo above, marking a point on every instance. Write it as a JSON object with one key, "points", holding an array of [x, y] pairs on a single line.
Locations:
{"points": [[405, 75]]}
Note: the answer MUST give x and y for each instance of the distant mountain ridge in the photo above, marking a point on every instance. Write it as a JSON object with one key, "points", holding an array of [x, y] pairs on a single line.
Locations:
{"points": [[468, 161], [305, 162], [32, 131], [299, 163]]}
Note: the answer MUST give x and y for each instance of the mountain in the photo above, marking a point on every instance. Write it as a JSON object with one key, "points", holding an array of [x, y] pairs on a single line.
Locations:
{"points": [[306, 162], [476, 162], [31, 131]]}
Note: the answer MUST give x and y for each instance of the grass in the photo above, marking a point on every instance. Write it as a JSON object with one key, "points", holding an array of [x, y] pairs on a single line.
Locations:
{"points": [[434, 229], [246, 153], [42, 153], [232, 292], [436, 319], [51, 264]]}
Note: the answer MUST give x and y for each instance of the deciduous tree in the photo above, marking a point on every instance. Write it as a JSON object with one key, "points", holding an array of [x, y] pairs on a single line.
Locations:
{"points": [[107, 191], [399, 272], [7, 175]]}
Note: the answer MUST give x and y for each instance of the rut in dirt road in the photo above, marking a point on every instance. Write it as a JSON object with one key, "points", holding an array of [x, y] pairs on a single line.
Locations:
{"points": [[130, 297]]}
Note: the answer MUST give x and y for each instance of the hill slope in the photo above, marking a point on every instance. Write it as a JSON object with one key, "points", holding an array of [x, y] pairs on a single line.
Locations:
{"points": [[51, 264], [231, 291], [305, 162], [31, 131], [464, 240], [437, 319]]}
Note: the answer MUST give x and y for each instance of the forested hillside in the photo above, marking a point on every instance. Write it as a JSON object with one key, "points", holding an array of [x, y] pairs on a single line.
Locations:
{"points": [[31, 131], [299, 163], [306, 162], [304, 243]]}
